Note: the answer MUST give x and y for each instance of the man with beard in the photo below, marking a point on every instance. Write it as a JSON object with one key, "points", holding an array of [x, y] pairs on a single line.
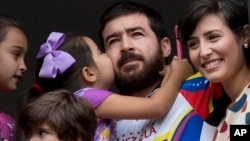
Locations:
{"points": [[134, 37]]}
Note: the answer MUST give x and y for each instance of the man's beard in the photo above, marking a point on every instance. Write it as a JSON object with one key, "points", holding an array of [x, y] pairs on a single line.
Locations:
{"points": [[142, 79]]}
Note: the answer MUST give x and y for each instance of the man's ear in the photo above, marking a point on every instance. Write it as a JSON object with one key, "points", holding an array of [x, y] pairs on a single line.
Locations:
{"points": [[89, 74], [166, 46]]}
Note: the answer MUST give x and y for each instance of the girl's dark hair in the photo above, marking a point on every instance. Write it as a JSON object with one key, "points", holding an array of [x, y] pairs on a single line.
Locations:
{"points": [[233, 12], [70, 116], [76, 46], [7, 22], [123, 8]]}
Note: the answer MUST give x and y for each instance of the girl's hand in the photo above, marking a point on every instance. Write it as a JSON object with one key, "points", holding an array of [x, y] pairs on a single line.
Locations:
{"points": [[181, 67]]}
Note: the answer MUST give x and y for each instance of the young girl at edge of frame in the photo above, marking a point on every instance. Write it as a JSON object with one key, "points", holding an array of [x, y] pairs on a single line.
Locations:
{"points": [[13, 47]]}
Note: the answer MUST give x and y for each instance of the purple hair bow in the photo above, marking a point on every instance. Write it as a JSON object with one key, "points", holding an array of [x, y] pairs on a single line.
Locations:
{"points": [[55, 61]]}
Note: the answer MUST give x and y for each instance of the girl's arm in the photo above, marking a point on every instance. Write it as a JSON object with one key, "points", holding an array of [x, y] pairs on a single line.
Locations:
{"points": [[131, 107]]}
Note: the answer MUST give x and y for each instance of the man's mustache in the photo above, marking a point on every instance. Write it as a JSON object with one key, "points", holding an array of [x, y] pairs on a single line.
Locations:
{"points": [[129, 56]]}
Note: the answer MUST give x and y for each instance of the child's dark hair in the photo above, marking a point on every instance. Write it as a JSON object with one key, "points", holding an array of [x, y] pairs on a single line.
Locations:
{"points": [[70, 116], [5, 23]]}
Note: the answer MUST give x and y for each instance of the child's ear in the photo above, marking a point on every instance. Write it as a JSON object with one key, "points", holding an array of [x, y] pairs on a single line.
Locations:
{"points": [[88, 74]]}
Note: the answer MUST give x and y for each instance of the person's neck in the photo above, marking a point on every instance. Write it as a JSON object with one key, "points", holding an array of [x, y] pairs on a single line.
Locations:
{"points": [[236, 84], [146, 91]]}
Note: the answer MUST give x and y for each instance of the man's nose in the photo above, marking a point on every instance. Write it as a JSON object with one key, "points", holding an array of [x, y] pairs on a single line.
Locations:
{"points": [[127, 44]]}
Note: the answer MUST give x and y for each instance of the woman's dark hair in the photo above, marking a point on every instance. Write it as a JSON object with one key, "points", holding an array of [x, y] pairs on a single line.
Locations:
{"points": [[233, 12]]}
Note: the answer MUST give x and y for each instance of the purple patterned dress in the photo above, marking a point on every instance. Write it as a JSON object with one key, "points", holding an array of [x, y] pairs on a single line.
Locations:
{"points": [[7, 127], [105, 130]]}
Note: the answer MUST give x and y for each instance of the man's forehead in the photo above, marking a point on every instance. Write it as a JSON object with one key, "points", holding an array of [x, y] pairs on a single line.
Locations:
{"points": [[123, 23]]}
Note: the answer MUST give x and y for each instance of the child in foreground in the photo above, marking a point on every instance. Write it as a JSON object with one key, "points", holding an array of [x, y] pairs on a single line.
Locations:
{"points": [[56, 116], [74, 63]]}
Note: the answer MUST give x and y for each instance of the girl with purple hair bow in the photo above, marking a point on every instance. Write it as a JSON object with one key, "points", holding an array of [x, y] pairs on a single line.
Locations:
{"points": [[74, 63]]}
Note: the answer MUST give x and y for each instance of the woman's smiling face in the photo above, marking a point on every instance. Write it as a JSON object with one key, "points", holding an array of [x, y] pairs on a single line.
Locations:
{"points": [[215, 50]]}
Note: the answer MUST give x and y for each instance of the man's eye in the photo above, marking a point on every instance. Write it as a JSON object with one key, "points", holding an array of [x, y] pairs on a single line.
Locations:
{"points": [[137, 34], [113, 41]]}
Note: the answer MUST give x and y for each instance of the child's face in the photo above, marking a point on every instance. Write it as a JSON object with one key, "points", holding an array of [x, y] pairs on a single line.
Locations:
{"points": [[44, 133], [12, 51], [105, 68]]}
